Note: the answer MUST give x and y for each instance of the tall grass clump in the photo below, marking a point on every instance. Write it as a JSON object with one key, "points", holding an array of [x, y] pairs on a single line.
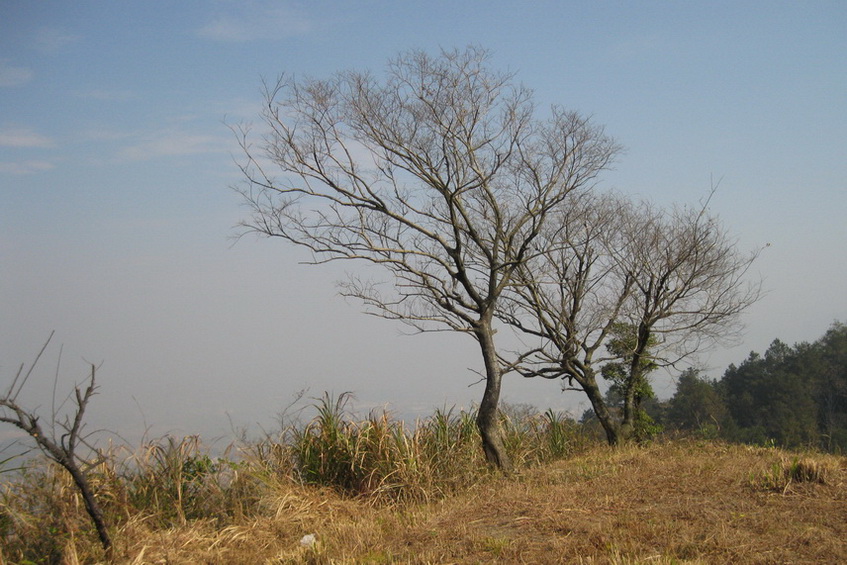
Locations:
{"points": [[35, 525], [166, 483], [533, 438], [381, 457], [797, 470], [43, 517], [450, 448], [177, 480]]}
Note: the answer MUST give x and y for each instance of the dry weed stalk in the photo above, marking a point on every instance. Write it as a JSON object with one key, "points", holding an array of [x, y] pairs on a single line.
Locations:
{"points": [[64, 449]]}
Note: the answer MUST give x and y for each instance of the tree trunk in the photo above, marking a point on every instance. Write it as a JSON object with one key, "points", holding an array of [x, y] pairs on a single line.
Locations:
{"points": [[589, 385], [634, 381], [627, 427], [66, 458], [487, 419], [91, 506]]}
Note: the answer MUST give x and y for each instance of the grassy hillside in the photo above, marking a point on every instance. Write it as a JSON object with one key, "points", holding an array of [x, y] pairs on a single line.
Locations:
{"points": [[674, 502]]}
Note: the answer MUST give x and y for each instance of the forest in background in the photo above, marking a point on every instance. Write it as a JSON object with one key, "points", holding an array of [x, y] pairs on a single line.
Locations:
{"points": [[791, 396]]}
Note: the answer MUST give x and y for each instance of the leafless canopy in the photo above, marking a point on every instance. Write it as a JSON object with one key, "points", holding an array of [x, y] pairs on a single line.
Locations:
{"points": [[691, 281], [441, 173], [571, 293], [675, 277], [609, 260]]}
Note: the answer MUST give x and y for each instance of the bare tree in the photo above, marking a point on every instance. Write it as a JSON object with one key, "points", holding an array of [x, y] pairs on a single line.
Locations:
{"points": [[674, 278], [440, 173], [63, 449], [570, 295]]}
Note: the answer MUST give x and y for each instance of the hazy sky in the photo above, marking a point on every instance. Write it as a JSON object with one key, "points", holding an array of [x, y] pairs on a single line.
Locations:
{"points": [[116, 216]]}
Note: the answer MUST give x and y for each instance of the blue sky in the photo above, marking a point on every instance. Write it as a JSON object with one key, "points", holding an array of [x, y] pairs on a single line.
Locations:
{"points": [[116, 216]]}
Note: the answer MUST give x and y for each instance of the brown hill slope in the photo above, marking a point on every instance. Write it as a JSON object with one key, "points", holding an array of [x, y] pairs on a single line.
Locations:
{"points": [[678, 502]]}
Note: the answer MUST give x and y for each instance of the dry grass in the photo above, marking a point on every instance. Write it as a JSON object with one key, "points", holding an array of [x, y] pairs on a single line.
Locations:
{"points": [[672, 503], [676, 502]]}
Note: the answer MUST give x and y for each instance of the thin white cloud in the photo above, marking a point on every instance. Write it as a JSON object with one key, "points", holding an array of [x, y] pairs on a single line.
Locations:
{"points": [[19, 137], [99, 133], [255, 23], [106, 95], [52, 40], [226, 29], [171, 143], [11, 75], [24, 167]]}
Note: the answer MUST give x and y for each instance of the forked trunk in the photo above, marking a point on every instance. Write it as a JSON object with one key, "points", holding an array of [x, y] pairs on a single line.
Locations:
{"points": [[487, 419]]}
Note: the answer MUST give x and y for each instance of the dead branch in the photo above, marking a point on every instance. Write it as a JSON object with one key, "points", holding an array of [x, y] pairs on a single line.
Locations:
{"points": [[63, 449]]}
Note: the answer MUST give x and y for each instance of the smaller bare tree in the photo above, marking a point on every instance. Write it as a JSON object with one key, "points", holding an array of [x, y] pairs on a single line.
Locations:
{"points": [[674, 278], [61, 446], [569, 297]]}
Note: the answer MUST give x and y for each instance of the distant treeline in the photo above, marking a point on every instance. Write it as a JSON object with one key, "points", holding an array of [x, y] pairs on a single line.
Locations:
{"points": [[790, 396]]}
